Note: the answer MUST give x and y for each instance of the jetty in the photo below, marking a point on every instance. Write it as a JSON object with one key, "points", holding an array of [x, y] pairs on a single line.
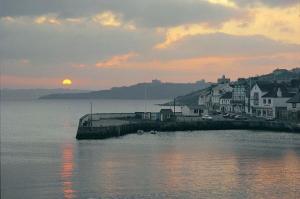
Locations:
{"points": [[109, 125]]}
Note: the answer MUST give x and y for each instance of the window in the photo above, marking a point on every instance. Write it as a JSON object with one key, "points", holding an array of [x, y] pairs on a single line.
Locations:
{"points": [[195, 110], [269, 101], [264, 113], [294, 105], [258, 112], [265, 101], [270, 112], [255, 100]]}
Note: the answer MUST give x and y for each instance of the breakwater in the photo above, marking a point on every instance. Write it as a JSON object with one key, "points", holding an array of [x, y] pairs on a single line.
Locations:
{"points": [[104, 132]]}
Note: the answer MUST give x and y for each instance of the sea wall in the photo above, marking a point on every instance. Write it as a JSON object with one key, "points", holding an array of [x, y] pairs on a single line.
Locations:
{"points": [[120, 130], [99, 116]]}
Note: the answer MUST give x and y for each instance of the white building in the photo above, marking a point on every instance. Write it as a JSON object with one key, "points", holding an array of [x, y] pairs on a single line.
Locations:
{"points": [[216, 93], [225, 103], [204, 97], [269, 100], [192, 110], [240, 97]]}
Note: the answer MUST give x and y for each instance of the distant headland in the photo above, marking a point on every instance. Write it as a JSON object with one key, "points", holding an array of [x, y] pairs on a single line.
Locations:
{"points": [[148, 90]]}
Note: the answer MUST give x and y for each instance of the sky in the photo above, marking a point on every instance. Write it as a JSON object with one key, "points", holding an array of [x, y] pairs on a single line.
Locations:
{"points": [[100, 44]]}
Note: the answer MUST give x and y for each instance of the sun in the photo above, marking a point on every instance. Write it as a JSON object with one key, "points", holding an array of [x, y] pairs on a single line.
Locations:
{"points": [[67, 82]]}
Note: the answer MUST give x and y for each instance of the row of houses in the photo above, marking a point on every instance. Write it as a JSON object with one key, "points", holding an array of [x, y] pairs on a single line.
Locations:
{"points": [[269, 100]]}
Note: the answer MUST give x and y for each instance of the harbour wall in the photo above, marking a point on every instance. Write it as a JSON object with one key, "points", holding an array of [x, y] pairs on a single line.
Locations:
{"points": [[133, 127]]}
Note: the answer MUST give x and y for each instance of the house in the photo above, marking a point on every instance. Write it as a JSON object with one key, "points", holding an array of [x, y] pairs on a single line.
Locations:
{"points": [[166, 114], [216, 93], [269, 100], [192, 110], [293, 108], [205, 98], [225, 102], [240, 95]]}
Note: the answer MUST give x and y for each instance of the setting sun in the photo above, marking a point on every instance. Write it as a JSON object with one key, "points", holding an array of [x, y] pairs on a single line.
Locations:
{"points": [[67, 82]]}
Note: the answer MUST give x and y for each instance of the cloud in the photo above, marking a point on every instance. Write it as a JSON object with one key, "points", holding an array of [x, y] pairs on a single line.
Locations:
{"points": [[280, 24], [8, 19], [107, 18], [226, 3], [25, 61], [220, 44], [116, 60], [211, 67], [79, 65], [47, 20], [271, 3], [146, 13], [196, 39]]}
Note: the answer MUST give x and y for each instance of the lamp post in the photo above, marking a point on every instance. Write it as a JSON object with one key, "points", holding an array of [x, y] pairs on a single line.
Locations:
{"points": [[91, 118]]}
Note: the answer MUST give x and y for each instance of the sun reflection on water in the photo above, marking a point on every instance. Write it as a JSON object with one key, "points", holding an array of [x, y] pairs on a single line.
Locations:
{"points": [[67, 172]]}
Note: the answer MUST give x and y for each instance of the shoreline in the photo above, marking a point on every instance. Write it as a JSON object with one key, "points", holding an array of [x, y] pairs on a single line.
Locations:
{"points": [[105, 132]]}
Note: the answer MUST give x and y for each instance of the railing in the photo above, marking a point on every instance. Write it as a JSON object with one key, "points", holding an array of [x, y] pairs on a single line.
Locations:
{"points": [[99, 116]]}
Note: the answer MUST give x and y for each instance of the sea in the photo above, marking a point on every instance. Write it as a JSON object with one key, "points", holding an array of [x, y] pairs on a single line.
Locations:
{"points": [[40, 157]]}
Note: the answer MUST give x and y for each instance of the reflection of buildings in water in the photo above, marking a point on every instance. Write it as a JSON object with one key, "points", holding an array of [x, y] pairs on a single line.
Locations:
{"points": [[67, 171]]}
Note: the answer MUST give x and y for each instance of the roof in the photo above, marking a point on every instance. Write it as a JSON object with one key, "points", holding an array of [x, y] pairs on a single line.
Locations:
{"points": [[227, 95], [271, 89], [266, 86], [295, 99], [284, 93]]}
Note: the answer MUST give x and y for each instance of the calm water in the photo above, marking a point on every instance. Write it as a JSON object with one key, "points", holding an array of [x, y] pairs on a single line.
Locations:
{"points": [[41, 159]]}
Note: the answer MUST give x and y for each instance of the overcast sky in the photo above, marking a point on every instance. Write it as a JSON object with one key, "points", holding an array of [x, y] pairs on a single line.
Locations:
{"points": [[104, 43]]}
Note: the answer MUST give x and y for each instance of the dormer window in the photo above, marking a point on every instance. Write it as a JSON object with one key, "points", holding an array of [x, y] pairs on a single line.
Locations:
{"points": [[279, 93]]}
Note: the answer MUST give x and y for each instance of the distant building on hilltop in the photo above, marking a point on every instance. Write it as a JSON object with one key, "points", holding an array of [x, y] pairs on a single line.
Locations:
{"points": [[223, 80]]}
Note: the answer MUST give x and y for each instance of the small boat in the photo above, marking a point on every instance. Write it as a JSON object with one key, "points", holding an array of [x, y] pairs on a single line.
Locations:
{"points": [[153, 132], [140, 132]]}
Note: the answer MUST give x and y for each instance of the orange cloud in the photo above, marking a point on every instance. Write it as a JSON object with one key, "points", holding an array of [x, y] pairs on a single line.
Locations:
{"points": [[211, 67], [279, 24], [116, 60]]}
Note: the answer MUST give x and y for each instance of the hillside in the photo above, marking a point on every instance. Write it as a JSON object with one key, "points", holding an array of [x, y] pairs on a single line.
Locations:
{"points": [[152, 90], [279, 75]]}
